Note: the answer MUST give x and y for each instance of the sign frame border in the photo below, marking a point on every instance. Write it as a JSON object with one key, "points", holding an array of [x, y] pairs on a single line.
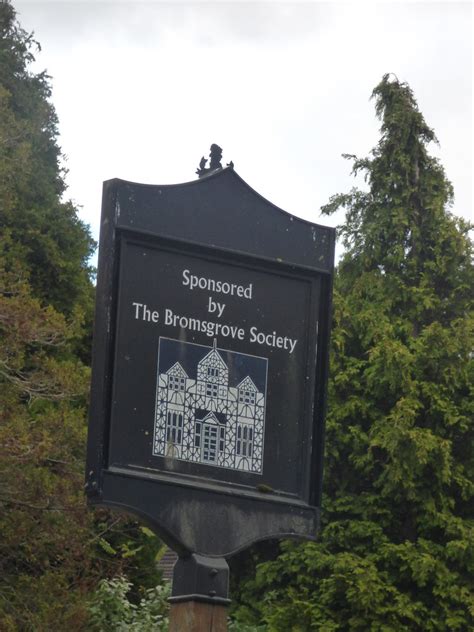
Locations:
{"points": [[105, 484]]}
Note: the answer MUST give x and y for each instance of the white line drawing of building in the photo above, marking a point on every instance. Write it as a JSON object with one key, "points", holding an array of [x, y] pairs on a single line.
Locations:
{"points": [[203, 419]]}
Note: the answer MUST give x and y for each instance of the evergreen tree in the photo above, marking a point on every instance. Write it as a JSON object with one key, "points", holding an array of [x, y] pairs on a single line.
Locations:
{"points": [[53, 551], [397, 547], [50, 238]]}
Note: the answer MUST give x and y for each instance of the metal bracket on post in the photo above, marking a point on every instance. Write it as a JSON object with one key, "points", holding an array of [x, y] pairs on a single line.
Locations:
{"points": [[200, 578]]}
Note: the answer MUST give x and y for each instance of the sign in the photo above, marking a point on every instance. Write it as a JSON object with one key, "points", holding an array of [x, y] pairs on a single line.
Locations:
{"points": [[209, 363]]}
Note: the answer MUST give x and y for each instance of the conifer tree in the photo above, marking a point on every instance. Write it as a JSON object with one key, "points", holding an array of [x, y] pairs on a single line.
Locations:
{"points": [[53, 242], [397, 547]]}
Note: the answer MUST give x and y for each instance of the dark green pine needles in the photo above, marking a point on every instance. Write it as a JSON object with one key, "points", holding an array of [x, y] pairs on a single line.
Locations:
{"points": [[397, 547]]}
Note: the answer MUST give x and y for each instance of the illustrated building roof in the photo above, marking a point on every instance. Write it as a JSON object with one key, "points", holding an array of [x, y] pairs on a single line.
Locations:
{"points": [[177, 370], [213, 355], [247, 384], [166, 564], [206, 415]]}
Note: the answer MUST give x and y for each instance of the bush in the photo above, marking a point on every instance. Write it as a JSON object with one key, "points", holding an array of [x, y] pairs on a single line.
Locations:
{"points": [[111, 611]]}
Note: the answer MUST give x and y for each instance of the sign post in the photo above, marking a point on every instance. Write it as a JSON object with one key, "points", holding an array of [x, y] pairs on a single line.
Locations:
{"points": [[209, 375]]}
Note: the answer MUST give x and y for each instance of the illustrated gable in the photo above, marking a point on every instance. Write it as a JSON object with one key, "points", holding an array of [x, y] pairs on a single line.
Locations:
{"points": [[213, 358], [213, 368], [210, 418], [177, 370], [205, 416], [247, 385]]}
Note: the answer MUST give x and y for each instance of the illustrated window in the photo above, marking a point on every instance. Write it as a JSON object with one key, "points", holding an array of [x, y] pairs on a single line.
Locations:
{"points": [[244, 445], [177, 383], [174, 428], [211, 390], [197, 436], [247, 397]]}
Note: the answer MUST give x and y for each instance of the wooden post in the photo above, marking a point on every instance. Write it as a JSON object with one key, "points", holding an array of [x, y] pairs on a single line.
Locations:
{"points": [[193, 616], [199, 597]]}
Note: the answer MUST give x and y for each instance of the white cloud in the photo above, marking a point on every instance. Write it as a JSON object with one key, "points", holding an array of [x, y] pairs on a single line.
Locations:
{"points": [[143, 89]]}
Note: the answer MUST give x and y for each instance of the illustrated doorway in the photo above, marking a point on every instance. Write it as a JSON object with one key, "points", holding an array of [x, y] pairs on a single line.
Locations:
{"points": [[209, 444]]}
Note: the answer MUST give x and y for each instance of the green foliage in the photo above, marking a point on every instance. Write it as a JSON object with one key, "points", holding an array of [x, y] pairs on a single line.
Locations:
{"points": [[53, 550], [133, 547], [111, 610], [397, 547], [235, 626], [51, 240], [47, 549]]}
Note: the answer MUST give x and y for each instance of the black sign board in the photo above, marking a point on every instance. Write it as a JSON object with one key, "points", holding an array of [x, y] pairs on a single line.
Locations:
{"points": [[210, 363]]}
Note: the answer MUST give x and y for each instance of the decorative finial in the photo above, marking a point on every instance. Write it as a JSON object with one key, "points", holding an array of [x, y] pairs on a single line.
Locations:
{"points": [[214, 164]]}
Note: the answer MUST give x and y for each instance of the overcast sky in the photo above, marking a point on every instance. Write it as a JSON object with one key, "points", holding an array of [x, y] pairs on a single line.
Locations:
{"points": [[142, 89]]}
